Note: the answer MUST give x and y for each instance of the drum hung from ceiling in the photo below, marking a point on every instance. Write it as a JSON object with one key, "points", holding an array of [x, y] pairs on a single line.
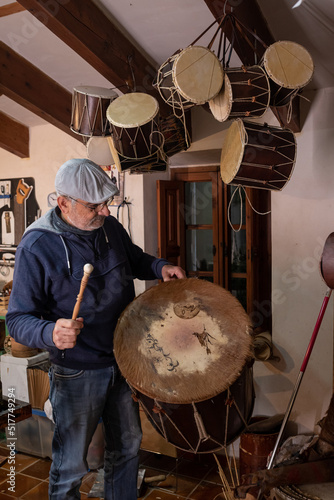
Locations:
{"points": [[191, 76], [89, 107], [245, 94], [184, 346], [136, 139], [289, 67], [259, 156]]}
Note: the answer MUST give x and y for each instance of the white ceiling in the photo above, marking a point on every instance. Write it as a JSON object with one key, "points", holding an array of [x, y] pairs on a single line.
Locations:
{"points": [[160, 27]]}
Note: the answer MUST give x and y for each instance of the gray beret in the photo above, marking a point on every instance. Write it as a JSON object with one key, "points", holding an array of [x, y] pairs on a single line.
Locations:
{"points": [[83, 179]]}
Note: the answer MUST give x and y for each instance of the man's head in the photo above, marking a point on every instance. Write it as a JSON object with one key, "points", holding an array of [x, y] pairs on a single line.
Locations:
{"points": [[84, 190]]}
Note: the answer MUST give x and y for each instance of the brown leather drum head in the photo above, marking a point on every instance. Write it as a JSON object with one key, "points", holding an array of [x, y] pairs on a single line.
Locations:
{"points": [[183, 341], [327, 261]]}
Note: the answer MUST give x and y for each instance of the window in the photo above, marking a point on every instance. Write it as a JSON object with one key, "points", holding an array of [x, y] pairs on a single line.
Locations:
{"points": [[215, 232]]}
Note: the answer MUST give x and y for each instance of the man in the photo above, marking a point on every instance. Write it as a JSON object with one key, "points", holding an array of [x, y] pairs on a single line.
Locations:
{"points": [[85, 383]]}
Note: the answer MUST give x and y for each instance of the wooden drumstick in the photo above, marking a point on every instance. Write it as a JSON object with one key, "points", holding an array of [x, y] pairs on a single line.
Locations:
{"points": [[88, 268]]}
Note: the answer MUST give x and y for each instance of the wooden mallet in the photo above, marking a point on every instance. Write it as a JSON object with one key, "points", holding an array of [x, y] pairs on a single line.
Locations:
{"points": [[88, 269]]}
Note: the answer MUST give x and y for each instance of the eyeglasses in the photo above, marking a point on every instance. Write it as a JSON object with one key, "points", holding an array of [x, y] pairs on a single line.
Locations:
{"points": [[94, 208]]}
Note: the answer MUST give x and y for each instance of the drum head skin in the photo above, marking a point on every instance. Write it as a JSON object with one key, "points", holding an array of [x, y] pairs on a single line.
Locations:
{"points": [[232, 151], [97, 92], [98, 150], [198, 74], [132, 110], [288, 64], [183, 341], [221, 105]]}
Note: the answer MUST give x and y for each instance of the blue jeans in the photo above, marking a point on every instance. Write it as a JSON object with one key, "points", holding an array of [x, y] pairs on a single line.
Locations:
{"points": [[79, 398]]}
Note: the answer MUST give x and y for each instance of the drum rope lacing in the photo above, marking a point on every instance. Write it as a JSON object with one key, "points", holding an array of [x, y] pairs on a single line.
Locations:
{"points": [[239, 191]]}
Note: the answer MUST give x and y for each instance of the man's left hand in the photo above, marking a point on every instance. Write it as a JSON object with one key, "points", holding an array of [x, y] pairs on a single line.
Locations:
{"points": [[172, 272]]}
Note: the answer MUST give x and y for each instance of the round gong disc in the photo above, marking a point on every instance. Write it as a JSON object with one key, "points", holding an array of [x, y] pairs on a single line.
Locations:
{"points": [[182, 341]]}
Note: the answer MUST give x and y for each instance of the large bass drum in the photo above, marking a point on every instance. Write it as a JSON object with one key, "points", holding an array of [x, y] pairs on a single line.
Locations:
{"points": [[184, 346]]}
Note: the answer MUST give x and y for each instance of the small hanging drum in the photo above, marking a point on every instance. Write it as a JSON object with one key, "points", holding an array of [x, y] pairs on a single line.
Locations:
{"points": [[134, 126], [259, 156], [184, 347], [289, 67], [192, 76], [98, 151], [246, 93], [176, 136], [89, 106]]}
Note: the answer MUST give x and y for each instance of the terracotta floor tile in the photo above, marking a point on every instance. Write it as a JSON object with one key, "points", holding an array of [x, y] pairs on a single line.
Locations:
{"points": [[5, 497], [178, 485], [161, 462], [192, 469], [3, 475], [39, 469], [40, 492], [21, 462], [23, 484]]}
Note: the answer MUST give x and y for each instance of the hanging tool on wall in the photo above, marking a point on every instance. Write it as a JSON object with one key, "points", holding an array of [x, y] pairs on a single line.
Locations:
{"points": [[23, 192]]}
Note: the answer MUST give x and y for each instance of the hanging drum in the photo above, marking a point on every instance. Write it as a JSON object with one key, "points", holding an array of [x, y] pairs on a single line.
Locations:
{"points": [[246, 93], [176, 136], [89, 106], [134, 127], [192, 76], [98, 151], [184, 347], [259, 156], [289, 67]]}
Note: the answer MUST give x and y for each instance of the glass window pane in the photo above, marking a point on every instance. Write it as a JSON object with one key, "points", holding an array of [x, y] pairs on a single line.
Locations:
{"points": [[198, 203], [235, 207], [238, 251], [239, 290], [199, 250]]}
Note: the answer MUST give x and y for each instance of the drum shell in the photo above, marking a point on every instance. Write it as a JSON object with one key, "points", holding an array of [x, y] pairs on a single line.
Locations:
{"points": [[246, 93], [89, 114], [176, 136], [268, 157], [137, 142], [191, 76], [222, 421]]}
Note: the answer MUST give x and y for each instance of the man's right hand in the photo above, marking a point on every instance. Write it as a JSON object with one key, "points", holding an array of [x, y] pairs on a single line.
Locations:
{"points": [[66, 331]]}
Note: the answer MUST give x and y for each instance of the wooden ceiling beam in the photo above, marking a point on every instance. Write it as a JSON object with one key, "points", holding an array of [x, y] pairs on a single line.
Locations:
{"points": [[10, 8], [25, 84], [249, 14], [90, 33], [14, 136]]}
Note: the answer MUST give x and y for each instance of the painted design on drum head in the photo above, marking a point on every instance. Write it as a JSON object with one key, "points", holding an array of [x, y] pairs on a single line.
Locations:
{"points": [[177, 339], [161, 356], [186, 311], [204, 339]]}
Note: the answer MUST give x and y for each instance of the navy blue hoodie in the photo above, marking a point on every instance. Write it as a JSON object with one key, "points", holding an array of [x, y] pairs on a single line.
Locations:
{"points": [[47, 275]]}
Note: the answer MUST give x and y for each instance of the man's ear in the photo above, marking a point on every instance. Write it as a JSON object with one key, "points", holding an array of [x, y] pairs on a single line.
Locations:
{"points": [[63, 204]]}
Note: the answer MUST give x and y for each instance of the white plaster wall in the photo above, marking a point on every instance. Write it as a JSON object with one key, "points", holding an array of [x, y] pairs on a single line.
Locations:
{"points": [[302, 219]]}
